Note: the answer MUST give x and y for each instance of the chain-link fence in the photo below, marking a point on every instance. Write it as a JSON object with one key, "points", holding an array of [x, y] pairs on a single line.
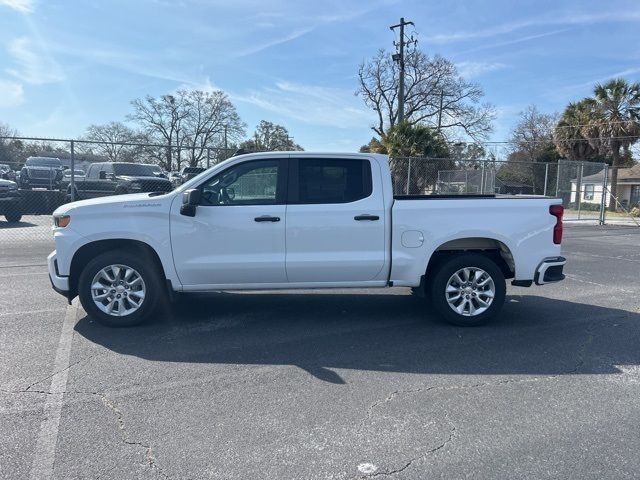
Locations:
{"points": [[581, 185], [40, 174], [37, 175]]}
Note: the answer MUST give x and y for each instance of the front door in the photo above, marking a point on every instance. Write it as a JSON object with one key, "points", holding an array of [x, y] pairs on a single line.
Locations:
{"points": [[237, 237]]}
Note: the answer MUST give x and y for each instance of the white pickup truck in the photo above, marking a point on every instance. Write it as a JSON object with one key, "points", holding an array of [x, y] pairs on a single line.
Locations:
{"points": [[293, 220]]}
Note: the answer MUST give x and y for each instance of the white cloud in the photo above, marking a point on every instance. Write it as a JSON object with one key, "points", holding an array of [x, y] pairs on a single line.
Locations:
{"points": [[476, 69], [557, 19], [311, 104], [271, 43], [34, 66], [11, 94], [24, 6], [513, 41]]}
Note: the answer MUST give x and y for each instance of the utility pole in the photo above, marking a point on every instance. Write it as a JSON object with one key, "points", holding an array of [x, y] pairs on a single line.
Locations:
{"points": [[225, 138], [440, 110], [399, 57]]}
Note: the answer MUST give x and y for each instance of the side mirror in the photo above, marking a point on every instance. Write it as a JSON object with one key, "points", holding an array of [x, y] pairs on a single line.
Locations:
{"points": [[190, 200], [102, 175]]}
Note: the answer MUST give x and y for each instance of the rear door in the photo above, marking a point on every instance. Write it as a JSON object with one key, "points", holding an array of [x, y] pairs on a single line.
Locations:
{"points": [[335, 228]]}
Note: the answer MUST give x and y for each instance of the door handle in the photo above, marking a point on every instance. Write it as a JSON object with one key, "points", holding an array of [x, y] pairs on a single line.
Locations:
{"points": [[267, 218], [372, 218]]}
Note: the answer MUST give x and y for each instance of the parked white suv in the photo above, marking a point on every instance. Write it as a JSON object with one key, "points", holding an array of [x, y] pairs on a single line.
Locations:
{"points": [[292, 220]]}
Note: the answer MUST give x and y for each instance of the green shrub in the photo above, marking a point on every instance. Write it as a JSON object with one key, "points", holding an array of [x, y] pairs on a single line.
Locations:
{"points": [[586, 207]]}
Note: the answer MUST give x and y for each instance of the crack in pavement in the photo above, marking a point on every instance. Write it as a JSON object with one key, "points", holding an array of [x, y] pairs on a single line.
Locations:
{"points": [[406, 465], [582, 351], [390, 397], [81, 361], [149, 456]]}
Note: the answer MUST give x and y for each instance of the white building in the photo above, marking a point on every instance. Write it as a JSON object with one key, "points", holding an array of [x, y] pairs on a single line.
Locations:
{"points": [[591, 188]]}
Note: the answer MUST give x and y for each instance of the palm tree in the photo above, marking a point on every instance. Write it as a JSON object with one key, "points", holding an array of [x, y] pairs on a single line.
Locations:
{"points": [[616, 122], [568, 132]]}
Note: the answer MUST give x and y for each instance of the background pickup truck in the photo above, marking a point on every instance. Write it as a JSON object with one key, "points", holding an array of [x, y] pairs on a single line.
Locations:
{"points": [[109, 178], [302, 220], [41, 172]]}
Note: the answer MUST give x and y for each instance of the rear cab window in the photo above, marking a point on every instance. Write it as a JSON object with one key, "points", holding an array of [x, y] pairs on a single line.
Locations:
{"points": [[329, 180]]}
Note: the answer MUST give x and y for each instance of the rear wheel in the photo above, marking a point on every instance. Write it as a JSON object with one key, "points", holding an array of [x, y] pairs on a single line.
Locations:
{"points": [[119, 290], [468, 290]]}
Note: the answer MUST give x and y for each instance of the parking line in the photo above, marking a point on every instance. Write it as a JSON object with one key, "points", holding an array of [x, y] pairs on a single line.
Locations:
{"points": [[42, 467]]}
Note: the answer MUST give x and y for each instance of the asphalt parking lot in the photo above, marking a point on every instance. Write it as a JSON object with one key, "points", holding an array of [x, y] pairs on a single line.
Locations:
{"points": [[325, 385]]}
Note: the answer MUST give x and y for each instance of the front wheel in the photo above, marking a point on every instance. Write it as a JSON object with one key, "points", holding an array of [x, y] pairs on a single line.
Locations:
{"points": [[468, 290], [13, 217], [118, 289]]}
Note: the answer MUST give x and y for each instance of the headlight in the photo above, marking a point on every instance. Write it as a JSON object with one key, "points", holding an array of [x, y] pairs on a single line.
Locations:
{"points": [[61, 221], [135, 186], [13, 186]]}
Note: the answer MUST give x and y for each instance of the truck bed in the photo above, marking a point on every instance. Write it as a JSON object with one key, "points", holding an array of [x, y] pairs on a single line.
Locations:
{"points": [[467, 196]]}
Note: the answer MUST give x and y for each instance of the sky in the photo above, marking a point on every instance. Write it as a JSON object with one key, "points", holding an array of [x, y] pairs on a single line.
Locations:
{"points": [[67, 64]]}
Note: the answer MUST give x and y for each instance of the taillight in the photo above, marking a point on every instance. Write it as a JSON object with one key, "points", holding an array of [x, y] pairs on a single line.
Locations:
{"points": [[557, 211]]}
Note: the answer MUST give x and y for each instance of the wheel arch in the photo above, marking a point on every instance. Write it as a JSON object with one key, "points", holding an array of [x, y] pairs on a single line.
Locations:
{"points": [[97, 247], [492, 248]]}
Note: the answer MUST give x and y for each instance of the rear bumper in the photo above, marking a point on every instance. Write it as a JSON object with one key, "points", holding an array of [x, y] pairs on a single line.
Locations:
{"points": [[59, 283], [550, 270]]}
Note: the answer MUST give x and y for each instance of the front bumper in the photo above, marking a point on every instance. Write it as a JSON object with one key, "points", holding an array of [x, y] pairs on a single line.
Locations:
{"points": [[40, 183], [550, 270], [59, 283]]}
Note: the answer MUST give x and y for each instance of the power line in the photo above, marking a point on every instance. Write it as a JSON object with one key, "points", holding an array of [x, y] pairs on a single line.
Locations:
{"points": [[588, 139], [592, 124]]}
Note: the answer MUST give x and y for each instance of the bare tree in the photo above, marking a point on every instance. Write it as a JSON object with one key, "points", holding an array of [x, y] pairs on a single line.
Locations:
{"points": [[116, 142], [9, 148], [189, 119], [211, 117], [435, 95], [531, 143], [270, 137], [162, 119]]}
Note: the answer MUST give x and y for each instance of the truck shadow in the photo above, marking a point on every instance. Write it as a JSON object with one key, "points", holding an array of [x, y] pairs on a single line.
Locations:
{"points": [[380, 332], [8, 225]]}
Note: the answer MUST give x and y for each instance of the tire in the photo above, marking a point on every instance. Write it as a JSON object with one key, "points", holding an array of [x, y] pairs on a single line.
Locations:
{"points": [[151, 284], [67, 197], [13, 217], [464, 303]]}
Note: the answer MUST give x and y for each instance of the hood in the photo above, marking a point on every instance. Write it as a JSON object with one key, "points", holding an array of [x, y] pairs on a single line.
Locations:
{"points": [[130, 178], [126, 201], [7, 183]]}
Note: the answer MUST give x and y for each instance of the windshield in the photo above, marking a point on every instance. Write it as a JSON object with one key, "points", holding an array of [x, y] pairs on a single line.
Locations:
{"points": [[43, 162], [134, 169]]}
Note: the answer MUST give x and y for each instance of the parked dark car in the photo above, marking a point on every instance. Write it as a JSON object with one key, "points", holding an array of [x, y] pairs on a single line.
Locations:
{"points": [[10, 201], [41, 172], [187, 173], [104, 179]]}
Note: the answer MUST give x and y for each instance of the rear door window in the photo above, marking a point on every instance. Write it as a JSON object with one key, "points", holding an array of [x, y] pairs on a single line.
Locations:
{"points": [[331, 180]]}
